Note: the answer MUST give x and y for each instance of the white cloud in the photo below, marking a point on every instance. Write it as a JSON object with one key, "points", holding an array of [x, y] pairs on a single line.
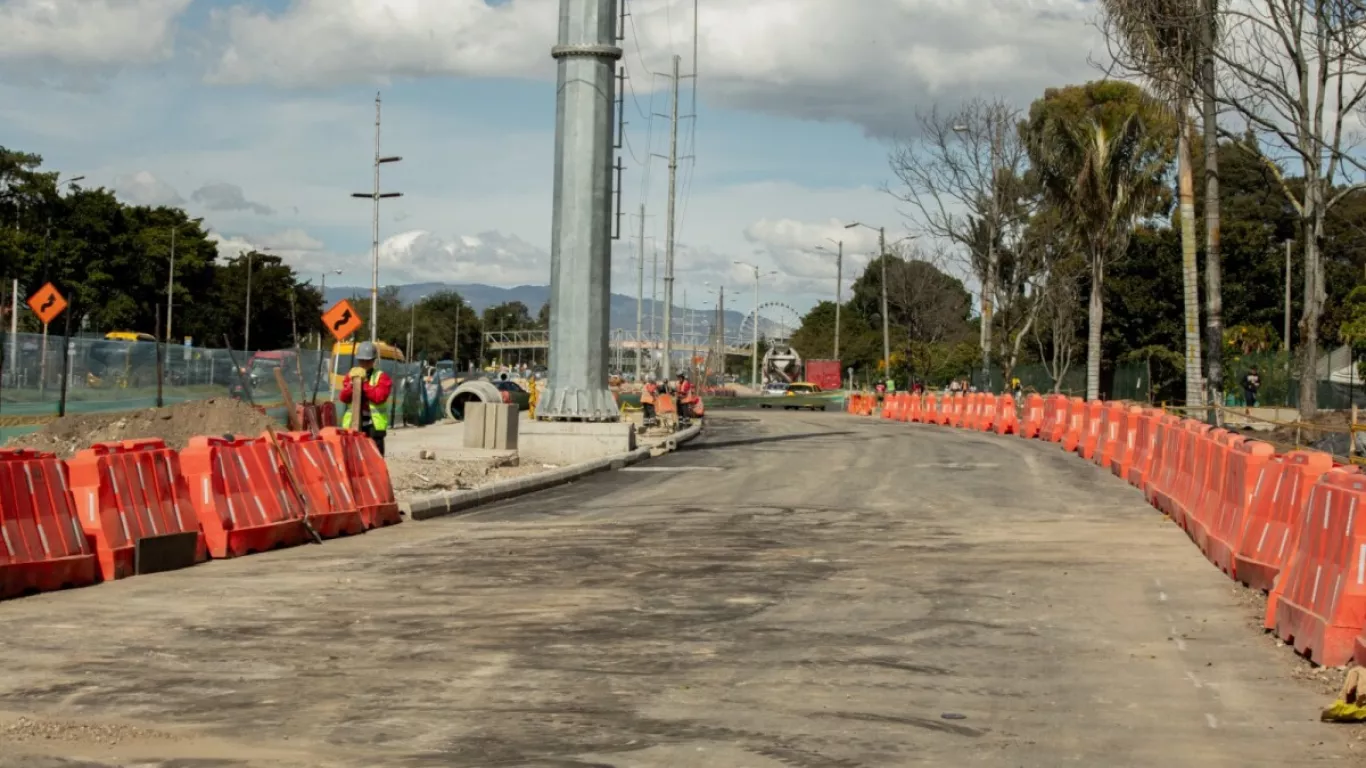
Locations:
{"points": [[221, 196], [870, 62], [144, 188], [84, 35]]}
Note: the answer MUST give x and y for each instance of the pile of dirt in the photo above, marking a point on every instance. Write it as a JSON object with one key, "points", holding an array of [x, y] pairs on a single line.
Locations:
{"points": [[1327, 432], [175, 424]]}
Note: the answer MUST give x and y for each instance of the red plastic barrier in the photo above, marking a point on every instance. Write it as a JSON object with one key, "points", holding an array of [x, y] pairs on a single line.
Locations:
{"points": [[320, 471], [1006, 421], [240, 496], [1274, 517], [369, 476], [129, 491], [42, 547], [1322, 608], [1243, 475]]}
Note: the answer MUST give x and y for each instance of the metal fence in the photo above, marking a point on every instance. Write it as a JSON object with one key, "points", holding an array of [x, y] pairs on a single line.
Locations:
{"points": [[41, 379]]}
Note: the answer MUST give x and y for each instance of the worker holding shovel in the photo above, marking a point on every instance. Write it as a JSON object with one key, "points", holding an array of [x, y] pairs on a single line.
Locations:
{"points": [[367, 388]]}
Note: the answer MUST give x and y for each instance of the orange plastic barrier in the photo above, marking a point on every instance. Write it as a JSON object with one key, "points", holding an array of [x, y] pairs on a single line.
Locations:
{"points": [[309, 416], [1076, 424], [958, 410], [1057, 414], [1243, 472], [1113, 424], [1207, 493], [1035, 416], [1274, 517], [1179, 474], [1090, 438], [1133, 463], [128, 491], [1126, 448], [986, 412], [369, 477], [42, 547], [240, 496], [1322, 608], [320, 471], [917, 412], [947, 404], [1007, 419], [1162, 472], [890, 403]]}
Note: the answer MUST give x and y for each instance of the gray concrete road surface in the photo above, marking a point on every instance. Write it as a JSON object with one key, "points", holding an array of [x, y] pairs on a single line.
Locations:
{"points": [[793, 591]]}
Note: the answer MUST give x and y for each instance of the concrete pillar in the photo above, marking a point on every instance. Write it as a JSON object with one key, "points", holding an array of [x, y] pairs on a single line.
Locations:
{"points": [[581, 230]]}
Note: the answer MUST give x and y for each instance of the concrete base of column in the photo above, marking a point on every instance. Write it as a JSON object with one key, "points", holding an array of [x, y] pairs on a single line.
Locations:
{"points": [[574, 404]]}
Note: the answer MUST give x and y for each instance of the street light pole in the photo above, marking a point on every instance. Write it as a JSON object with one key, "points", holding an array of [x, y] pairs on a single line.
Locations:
{"points": [[246, 322], [886, 326], [754, 350], [376, 196], [839, 287], [170, 276]]}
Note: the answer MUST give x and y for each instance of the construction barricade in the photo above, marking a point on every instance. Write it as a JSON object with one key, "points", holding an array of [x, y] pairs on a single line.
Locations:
{"points": [[917, 413], [1057, 418], [1274, 519], [1243, 473], [1090, 437], [986, 412], [239, 494], [1109, 433], [1322, 606], [1007, 419], [1127, 446], [1207, 491], [127, 493], [1034, 416], [369, 476], [42, 546], [320, 472], [1076, 425]]}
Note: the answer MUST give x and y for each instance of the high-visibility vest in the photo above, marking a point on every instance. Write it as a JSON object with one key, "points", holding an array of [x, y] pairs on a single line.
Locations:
{"points": [[379, 420], [647, 395]]}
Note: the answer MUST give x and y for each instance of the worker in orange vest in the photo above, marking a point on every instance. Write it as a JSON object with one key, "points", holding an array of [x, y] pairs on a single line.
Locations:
{"points": [[647, 399], [685, 397]]}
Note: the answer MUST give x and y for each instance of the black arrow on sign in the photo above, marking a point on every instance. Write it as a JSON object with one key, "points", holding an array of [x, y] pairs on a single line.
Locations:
{"points": [[343, 320], [51, 299]]}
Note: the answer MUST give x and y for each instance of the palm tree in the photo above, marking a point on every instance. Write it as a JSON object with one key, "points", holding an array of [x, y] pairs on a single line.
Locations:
{"points": [[1166, 42], [1102, 151]]}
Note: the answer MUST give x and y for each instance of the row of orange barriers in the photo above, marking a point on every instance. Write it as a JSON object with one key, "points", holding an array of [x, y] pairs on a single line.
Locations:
{"points": [[1281, 523], [78, 522]]}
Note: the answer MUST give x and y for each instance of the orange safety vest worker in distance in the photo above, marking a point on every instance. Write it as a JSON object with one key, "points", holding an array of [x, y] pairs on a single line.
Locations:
{"points": [[647, 395]]}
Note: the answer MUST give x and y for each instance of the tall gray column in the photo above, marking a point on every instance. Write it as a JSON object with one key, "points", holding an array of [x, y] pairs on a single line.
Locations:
{"points": [[581, 230]]}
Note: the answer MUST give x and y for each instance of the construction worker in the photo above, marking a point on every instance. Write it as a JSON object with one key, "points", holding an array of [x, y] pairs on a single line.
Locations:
{"points": [[685, 397], [375, 386], [647, 399]]}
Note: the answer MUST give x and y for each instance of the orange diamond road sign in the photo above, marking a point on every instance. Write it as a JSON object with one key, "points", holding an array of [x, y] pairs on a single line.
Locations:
{"points": [[47, 303], [342, 320]]}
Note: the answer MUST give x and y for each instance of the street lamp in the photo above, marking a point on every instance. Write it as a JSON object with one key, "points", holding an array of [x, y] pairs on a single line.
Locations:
{"points": [[839, 287], [886, 328], [375, 195], [246, 322], [170, 274], [754, 351]]}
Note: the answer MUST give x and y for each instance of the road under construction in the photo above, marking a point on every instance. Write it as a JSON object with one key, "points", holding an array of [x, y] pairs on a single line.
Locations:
{"points": [[812, 590]]}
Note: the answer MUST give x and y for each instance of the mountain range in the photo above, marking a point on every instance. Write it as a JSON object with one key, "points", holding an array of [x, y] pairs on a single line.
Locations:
{"points": [[623, 308]]}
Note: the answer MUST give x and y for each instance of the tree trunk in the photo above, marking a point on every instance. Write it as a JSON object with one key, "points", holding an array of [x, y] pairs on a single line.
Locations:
{"points": [[1214, 301], [1190, 266], [1096, 316], [1314, 297]]}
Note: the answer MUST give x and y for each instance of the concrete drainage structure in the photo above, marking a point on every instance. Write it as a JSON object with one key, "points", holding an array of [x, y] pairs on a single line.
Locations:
{"points": [[476, 391]]}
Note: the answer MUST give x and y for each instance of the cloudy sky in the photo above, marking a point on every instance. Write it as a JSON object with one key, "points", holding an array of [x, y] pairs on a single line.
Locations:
{"points": [[258, 115]]}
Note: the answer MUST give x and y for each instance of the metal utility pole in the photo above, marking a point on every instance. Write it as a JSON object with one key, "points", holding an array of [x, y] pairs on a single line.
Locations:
{"points": [[170, 276], [246, 321], [375, 195], [580, 251], [886, 326], [669, 232], [455, 347], [640, 290], [839, 286], [754, 350]]}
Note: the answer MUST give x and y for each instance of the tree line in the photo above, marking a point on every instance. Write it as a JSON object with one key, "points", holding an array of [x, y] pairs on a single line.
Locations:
{"points": [[1115, 222], [113, 262]]}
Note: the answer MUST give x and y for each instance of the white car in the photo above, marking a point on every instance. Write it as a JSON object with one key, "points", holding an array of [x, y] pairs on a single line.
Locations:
{"points": [[775, 389]]}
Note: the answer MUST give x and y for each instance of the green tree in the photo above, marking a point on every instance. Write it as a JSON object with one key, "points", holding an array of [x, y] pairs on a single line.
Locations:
{"points": [[1102, 151]]}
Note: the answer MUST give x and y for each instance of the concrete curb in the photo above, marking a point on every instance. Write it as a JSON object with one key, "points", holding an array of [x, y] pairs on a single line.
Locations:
{"points": [[454, 502]]}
